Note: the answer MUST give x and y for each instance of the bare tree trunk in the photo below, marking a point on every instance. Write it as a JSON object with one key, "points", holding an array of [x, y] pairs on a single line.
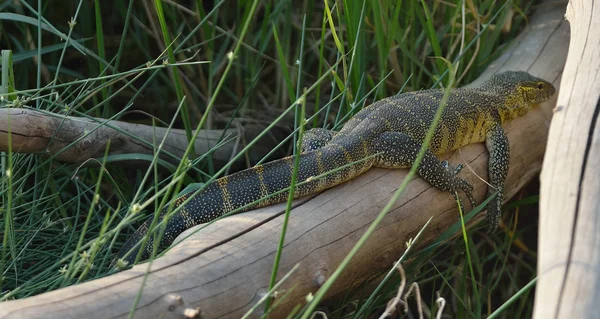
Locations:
{"points": [[569, 241]]}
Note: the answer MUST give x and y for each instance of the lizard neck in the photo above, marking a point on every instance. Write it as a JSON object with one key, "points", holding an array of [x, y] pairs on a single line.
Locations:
{"points": [[513, 105]]}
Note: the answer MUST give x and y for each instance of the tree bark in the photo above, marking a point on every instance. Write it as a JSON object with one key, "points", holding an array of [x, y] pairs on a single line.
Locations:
{"points": [[35, 131], [224, 269], [569, 249]]}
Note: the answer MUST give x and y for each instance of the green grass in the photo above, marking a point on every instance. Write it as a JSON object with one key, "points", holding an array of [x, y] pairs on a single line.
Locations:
{"points": [[233, 63]]}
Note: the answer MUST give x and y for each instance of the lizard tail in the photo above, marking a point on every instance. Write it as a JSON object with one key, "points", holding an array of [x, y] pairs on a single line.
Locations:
{"points": [[243, 188]]}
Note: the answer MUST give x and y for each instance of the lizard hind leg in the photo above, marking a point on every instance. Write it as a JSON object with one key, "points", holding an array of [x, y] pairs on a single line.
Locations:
{"points": [[316, 138], [399, 150]]}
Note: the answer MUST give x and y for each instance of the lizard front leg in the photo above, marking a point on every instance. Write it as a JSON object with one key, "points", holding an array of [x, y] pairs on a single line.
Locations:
{"points": [[499, 150], [399, 150]]}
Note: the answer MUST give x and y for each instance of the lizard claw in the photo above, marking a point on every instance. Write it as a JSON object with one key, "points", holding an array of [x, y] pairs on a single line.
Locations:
{"points": [[458, 169]]}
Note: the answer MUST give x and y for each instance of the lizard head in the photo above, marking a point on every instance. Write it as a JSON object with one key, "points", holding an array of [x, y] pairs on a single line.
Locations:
{"points": [[522, 91]]}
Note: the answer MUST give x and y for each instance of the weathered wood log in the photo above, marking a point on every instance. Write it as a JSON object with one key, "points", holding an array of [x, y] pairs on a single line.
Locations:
{"points": [[224, 269], [34, 131], [569, 242]]}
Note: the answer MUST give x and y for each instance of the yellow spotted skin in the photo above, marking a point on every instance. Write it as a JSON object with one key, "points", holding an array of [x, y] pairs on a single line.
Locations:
{"points": [[393, 128]]}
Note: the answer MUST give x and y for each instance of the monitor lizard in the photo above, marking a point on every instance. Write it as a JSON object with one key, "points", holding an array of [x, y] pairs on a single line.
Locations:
{"points": [[390, 132]]}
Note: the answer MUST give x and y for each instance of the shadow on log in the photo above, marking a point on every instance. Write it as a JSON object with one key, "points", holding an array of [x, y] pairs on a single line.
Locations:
{"points": [[224, 269]]}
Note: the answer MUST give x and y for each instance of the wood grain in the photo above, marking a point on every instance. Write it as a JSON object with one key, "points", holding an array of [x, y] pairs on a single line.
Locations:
{"points": [[569, 250]]}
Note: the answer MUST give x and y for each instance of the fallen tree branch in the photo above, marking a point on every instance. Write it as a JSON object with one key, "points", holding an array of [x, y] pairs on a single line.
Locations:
{"points": [[225, 268], [34, 131]]}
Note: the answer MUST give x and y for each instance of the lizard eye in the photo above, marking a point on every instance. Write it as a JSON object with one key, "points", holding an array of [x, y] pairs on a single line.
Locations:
{"points": [[540, 86]]}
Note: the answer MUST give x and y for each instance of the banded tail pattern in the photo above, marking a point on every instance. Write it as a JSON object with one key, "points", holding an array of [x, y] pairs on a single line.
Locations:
{"points": [[245, 187]]}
